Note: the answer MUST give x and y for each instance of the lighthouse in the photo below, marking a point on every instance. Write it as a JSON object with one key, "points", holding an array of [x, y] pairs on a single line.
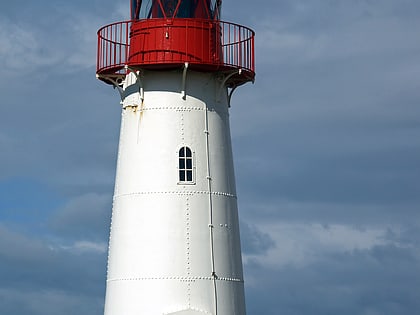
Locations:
{"points": [[174, 245]]}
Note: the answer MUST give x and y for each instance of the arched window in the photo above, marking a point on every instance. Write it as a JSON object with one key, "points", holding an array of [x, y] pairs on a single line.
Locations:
{"points": [[185, 165]]}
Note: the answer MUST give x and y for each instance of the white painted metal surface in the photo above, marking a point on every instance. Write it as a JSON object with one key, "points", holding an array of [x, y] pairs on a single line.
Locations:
{"points": [[174, 246]]}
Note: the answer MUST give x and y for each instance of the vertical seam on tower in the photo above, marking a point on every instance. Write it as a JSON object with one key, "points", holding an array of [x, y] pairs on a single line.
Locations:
{"points": [[182, 128], [213, 271], [188, 245]]}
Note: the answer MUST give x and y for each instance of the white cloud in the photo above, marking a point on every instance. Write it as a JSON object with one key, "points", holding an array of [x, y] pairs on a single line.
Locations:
{"points": [[22, 48], [86, 246], [301, 244]]}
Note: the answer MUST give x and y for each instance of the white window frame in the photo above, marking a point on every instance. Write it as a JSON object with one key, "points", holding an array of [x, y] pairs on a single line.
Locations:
{"points": [[183, 159]]}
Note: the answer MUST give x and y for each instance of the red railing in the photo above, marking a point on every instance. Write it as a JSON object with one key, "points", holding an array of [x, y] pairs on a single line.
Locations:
{"points": [[113, 47], [234, 45], [238, 46]]}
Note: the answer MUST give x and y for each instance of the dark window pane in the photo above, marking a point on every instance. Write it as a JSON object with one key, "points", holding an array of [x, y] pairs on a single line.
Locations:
{"points": [[182, 176], [186, 9], [189, 176], [188, 152], [189, 164], [181, 164], [181, 152]]}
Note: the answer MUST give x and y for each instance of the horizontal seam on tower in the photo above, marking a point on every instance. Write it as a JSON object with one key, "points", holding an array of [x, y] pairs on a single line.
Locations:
{"points": [[179, 193], [183, 108], [176, 278], [189, 308]]}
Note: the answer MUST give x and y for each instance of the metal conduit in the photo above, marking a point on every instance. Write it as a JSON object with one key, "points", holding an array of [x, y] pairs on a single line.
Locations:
{"points": [[213, 271]]}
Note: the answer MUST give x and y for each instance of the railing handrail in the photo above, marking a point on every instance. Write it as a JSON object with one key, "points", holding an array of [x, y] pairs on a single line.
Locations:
{"points": [[236, 43]]}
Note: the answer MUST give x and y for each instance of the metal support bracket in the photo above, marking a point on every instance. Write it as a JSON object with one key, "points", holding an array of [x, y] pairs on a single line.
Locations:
{"points": [[115, 84], [184, 79], [223, 84], [139, 79], [230, 94]]}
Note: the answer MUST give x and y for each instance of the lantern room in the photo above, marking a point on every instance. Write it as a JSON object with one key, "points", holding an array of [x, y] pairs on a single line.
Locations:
{"points": [[170, 34]]}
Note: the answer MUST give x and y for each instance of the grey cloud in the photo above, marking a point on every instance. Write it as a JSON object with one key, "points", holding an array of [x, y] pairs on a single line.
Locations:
{"points": [[58, 134], [86, 217], [28, 262], [48, 302], [382, 280], [51, 35], [333, 120], [406, 236], [253, 240]]}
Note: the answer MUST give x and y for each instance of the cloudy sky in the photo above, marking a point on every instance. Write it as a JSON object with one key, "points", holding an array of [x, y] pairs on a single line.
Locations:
{"points": [[326, 146]]}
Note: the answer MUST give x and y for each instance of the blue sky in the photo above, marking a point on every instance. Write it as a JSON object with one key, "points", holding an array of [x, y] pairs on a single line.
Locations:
{"points": [[326, 147]]}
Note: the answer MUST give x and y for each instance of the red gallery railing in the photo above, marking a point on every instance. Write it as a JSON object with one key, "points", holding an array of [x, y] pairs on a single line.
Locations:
{"points": [[113, 47], [160, 43]]}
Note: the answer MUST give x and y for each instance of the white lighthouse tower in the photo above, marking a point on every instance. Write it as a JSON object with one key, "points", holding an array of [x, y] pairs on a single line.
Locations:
{"points": [[174, 244]]}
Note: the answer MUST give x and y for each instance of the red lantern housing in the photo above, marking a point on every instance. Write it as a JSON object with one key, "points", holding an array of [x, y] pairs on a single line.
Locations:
{"points": [[165, 34]]}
